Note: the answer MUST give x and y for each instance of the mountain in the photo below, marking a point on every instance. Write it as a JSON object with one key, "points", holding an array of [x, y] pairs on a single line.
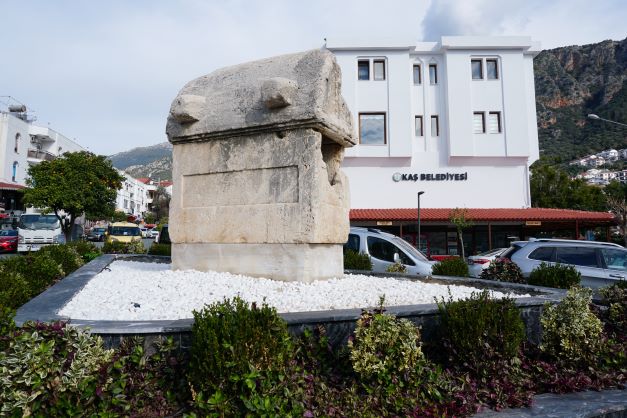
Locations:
{"points": [[572, 82], [154, 161]]}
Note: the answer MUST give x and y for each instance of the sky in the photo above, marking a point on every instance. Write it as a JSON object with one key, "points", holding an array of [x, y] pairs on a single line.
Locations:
{"points": [[105, 73]]}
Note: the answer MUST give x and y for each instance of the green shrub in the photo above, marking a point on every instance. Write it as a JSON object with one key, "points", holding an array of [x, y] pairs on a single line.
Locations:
{"points": [[615, 297], [474, 327], [117, 247], [50, 370], [39, 270], [384, 347], [160, 249], [503, 270], [87, 250], [7, 326], [238, 360], [558, 275], [356, 261], [570, 331], [397, 268], [65, 255], [14, 289], [453, 266]]}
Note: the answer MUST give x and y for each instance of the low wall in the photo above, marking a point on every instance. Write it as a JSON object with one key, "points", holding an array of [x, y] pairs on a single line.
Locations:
{"points": [[339, 324]]}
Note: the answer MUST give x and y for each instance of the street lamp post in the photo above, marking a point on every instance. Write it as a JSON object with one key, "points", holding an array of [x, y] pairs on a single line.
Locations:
{"points": [[418, 238], [595, 117]]}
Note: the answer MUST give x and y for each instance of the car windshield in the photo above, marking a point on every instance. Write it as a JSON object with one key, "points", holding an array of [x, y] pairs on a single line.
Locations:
{"points": [[407, 247], [98, 230], [131, 231], [39, 222], [8, 233]]}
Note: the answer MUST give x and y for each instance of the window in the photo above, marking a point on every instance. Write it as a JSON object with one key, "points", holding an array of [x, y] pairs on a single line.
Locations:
{"points": [[418, 127], [542, 254], [477, 69], [615, 259], [125, 204], [492, 70], [372, 129], [352, 243], [417, 74], [17, 142], [379, 69], [579, 256], [494, 122], [478, 123], [363, 70], [435, 126], [14, 175], [385, 250], [433, 73]]}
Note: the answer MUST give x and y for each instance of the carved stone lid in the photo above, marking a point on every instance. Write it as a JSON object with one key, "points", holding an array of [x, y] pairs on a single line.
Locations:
{"points": [[292, 91]]}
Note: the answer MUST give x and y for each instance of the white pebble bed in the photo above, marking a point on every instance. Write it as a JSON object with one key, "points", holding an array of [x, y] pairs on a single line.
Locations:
{"points": [[151, 291]]}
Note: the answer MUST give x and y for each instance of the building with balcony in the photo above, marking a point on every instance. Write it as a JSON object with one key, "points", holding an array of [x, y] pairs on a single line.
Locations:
{"points": [[455, 119], [134, 197]]}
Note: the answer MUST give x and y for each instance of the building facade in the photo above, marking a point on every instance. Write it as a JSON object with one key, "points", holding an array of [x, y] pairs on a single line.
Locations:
{"points": [[133, 198], [454, 119]]}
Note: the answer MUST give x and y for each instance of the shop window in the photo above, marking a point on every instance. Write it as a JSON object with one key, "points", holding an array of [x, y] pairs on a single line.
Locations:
{"points": [[378, 67], [372, 129], [435, 126], [418, 126], [494, 122], [492, 69], [478, 123], [417, 74], [433, 73], [476, 66], [363, 70]]}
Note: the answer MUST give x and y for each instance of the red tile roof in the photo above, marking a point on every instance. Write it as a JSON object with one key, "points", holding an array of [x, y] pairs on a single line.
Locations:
{"points": [[144, 180], [11, 186], [442, 214]]}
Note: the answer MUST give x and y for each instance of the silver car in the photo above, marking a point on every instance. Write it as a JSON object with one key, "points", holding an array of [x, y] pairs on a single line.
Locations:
{"points": [[385, 249], [600, 263]]}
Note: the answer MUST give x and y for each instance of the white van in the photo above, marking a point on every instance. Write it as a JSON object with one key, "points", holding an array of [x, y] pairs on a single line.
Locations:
{"points": [[385, 249]]}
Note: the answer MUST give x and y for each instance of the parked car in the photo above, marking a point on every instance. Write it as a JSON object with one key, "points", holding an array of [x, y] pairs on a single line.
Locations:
{"points": [[163, 237], [600, 263], [479, 262], [8, 240], [385, 249], [152, 233], [123, 232], [96, 234], [144, 232]]}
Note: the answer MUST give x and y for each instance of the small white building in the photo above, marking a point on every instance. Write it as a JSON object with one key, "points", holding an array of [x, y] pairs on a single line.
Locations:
{"points": [[133, 197]]}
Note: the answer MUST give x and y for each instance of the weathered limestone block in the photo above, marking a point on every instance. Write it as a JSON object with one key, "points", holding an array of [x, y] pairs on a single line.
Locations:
{"points": [[258, 188]]}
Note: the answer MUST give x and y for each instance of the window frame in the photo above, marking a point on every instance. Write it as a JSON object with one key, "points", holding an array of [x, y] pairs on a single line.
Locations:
{"points": [[435, 118], [16, 149], [385, 134], [483, 127], [433, 80], [359, 62], [496, 68], [472, 74], [374, 73], [419, 72], [14, 171], [421, 124], [498, 119]]}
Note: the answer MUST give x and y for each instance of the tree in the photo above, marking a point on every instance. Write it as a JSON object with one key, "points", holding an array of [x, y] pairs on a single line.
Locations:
{"points": [[119, 216], [616, 194], [76, 183], [552, 188], [459, 218]]}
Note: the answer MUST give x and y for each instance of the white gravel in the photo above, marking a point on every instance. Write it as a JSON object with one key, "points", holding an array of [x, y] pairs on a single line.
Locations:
{"points": [[152, 291]]}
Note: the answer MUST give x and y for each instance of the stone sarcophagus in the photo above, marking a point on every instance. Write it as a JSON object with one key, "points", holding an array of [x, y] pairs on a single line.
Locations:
{"points": [[258, 188]]}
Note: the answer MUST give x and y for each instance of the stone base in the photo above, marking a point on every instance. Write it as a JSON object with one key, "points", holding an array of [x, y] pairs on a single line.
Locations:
{"points": [[285, 262]]}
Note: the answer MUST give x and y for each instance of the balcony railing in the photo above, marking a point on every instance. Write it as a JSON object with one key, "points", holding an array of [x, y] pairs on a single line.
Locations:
{"points": [[41, 155]]}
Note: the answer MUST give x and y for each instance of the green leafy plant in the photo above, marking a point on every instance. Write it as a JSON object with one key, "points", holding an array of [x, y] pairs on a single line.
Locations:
{"points": [[50, 370], [160, 249], [39, 270], [503, 270], [239, 356], [7, 326], [452, 266], [397, 268], [117, 247], [570, 331], [615, 297], [356, 261], [474, 326], [558, 275], [14, 289], [87, 250], [64, 255]]}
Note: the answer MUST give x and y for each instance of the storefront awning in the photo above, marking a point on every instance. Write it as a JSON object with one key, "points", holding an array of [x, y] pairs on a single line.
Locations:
{"points": [[483, 215], [11, 186]]}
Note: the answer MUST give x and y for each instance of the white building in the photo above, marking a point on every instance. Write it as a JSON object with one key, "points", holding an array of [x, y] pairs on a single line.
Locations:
{"points": [[455, 119], [133, 197]]}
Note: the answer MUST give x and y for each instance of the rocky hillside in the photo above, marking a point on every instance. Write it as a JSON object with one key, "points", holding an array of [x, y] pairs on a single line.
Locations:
{"points": [[572, 82], [154, 161]]}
